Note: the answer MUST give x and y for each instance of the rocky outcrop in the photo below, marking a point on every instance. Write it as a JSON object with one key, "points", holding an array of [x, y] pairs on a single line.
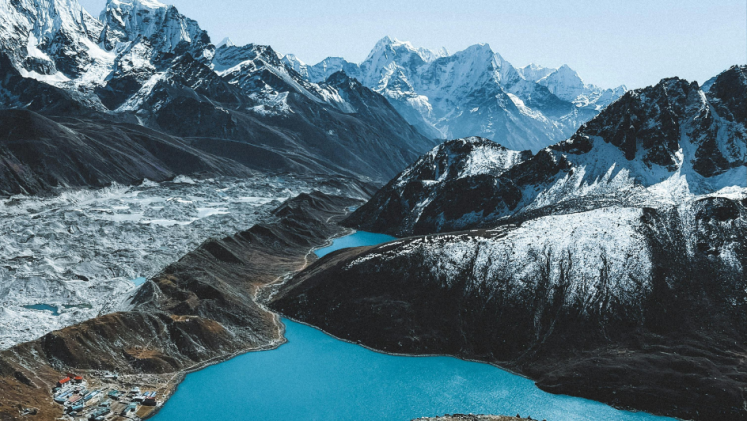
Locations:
{"points": [[452, 186], [53, 40], [199, 310]]}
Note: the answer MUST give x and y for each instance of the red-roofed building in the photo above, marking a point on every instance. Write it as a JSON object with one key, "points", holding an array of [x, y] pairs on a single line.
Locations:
{"points": [[63, 382]]}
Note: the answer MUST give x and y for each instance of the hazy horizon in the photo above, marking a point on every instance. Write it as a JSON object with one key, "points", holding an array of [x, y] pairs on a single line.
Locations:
{"points": [[632, 42]]}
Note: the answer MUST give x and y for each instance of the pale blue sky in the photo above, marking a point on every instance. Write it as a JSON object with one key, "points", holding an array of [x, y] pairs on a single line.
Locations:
{"points": [[609, 42]]}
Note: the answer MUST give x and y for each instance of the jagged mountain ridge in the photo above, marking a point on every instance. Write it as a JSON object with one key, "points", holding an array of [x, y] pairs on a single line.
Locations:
{"points": [[567, 85], [660, 144], [153, 66], [474, 92]]}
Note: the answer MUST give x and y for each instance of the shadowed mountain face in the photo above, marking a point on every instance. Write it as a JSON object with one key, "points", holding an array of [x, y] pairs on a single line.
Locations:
{"points": [[608, 266], [147, 64]]}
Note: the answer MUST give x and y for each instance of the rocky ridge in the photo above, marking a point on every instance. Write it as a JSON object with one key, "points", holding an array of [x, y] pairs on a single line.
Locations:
{"points": [[145, 63]]}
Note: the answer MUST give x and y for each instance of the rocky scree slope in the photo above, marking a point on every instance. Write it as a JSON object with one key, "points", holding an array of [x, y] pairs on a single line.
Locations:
{"points": [[145, 63], [616, 273], [199, 310], [658, 145], [474, 92]]}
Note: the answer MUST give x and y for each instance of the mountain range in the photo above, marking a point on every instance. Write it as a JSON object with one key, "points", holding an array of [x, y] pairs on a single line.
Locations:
{"points": [[596, 244], [142, 62], [474, 92], [660, 144]]}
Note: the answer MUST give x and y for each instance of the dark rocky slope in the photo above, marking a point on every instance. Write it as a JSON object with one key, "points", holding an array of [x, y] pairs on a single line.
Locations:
{"points": [[198, 311], [357, 133], [38, 154], [145, 63]]}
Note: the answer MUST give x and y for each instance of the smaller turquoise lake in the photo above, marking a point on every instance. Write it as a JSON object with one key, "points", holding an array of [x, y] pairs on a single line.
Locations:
{"points": [[359, 239], [139, 281], [315, 377], [44, 307]]}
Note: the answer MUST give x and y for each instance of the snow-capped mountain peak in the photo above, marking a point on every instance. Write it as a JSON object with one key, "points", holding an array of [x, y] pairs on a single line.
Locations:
{"points": [[162, 26], [534, 72], [473, 92], [226, 42], [49, 40], [431, 55], [565, 83]]}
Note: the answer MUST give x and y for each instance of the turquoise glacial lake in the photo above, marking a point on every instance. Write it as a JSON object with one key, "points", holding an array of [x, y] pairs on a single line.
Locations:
{"points": [[359, 239], [139, 281], [317, 377]]}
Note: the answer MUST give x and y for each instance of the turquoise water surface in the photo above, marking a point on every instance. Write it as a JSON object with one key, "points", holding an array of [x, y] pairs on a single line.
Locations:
{"points": [[317, 377], [139, 281], [44, 307], [359, 239]]}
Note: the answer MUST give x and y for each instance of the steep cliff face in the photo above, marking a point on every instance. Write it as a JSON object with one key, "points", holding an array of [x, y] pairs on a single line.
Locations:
{"points": [[199, 310], [51, 40], [163, 27], [665, 143]]}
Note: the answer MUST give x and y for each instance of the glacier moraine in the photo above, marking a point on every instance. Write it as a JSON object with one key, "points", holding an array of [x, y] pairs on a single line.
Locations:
{"points": [[82, 253]]}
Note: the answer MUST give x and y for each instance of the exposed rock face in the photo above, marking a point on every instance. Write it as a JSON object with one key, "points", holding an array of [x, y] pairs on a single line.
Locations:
{"points": [[25, 93], [49, 39], [654, 145], [199, 310], [422, 198], [162, 26]]}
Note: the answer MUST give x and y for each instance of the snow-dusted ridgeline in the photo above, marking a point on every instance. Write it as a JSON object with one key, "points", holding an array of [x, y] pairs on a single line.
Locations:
{"points": [[666, 144]]}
